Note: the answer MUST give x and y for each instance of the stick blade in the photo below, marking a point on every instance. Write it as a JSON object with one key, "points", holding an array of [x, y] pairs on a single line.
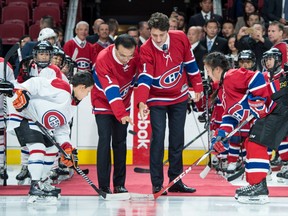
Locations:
{"points": [[205, 172], [141, 170], [141, 197], [116, 197]]}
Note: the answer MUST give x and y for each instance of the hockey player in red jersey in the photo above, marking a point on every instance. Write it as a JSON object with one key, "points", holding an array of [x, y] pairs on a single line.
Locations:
{"points": [[52, 103], [272, 61], [166, 59], [242, 93], [115, 75]]}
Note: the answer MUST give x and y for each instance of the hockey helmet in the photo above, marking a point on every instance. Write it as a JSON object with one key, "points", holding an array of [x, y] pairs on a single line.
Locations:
{"points": [[47, 33], [277, 56], [57, 51], [247, 55], [42, 47]]}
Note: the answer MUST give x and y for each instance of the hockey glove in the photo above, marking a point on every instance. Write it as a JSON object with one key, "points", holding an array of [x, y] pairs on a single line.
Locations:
{"points": [[6, 88], [217, 142], [71, 160], [257, 106], [22, 100]]}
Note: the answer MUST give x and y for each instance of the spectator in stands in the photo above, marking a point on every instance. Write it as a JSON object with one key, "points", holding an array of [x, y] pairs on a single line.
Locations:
{"points": [[228, 29], [60, 36], [205, 14], [144, 32], [113, 28], [103, 40], [94, 38], [212, 42], [275, 11], [181, 21], [173, 23], [45, 22], [254, 39], [133, 31], [194, 35], [246, 20], [79, 49], [275, 35], [233, 51]]}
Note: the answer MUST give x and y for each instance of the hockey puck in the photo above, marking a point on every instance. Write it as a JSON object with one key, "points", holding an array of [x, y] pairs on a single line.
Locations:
{"points": [[132, 132]]}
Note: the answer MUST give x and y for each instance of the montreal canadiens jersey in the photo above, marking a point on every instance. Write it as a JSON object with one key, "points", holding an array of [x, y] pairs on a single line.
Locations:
{"points": [[163, 74], [50, 103], [237, 85], [114, 83], [83, 56], [9, 77]]}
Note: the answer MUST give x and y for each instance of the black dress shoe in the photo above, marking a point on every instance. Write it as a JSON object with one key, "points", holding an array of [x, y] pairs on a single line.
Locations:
{"points": [[120, 189], [156, 189], [106, 190], [181, 187]]}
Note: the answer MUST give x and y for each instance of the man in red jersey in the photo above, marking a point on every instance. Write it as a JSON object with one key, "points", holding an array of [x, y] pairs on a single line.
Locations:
{"points": [[166, 59], [114, 76]]}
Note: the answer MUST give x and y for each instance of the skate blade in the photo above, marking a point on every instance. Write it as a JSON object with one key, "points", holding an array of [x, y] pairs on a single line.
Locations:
{"points": [[45, 201], [262, 199]]}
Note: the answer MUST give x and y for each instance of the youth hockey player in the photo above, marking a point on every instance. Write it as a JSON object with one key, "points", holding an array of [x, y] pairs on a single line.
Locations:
{"points": [[52, 102], [250, 95]]}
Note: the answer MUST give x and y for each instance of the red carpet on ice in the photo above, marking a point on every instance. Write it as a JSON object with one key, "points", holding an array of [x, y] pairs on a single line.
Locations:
{"points": [[212, 185]]}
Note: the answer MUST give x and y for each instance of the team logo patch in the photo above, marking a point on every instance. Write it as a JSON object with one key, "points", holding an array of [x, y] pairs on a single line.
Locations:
{"points": [[171, 77], [53, 119], [83, 63]]}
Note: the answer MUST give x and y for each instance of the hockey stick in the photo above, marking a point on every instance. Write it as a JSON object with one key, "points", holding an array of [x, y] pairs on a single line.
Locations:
{"points": [[143, 170], [8, 55], [205, 172], [236, 175], [105, 196]]}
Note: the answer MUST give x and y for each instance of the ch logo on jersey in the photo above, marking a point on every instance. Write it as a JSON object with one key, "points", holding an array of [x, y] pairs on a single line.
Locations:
{"points": [[171, 77], [53, 119], [124, 92], [83, 63]]}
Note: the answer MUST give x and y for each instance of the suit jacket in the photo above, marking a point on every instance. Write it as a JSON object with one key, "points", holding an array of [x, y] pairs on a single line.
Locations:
{"points": [[198, 20], [274, 10], [199, 53], [220, 44]]}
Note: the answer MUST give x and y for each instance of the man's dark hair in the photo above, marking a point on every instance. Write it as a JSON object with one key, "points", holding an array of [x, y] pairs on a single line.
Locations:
{"points": [[141, 24], [159, 21], [276, 23], [126, 41], [212, 21], [132, 28], [82, 78]]}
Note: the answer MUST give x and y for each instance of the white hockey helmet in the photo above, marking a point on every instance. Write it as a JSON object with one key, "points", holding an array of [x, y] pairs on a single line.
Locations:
{"points": [[46, 33]]}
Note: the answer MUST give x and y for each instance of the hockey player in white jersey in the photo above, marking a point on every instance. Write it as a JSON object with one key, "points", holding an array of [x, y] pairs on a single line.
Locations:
{"points": [[38, 65], [9, 77], [52, 102]]}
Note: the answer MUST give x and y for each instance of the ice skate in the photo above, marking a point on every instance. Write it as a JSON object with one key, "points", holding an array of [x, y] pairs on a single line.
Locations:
{"points": [[3, 175], [222, 166], [46, 186], [37, 195], [276, 161], [282, 175], [24, 176], [60, 174], [233, 167], [253, 194]]}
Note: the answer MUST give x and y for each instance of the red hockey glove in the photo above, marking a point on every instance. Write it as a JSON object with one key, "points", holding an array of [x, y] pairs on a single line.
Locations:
{"points": [[257, 106], [22, 100], [216, 142], [72, 158]]}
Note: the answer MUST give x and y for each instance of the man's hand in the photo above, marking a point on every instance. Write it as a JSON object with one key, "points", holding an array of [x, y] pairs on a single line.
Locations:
{"points": [[257, 106], [127, 119], [22, 100], [197, 96], [143, 110], [217, 142], [6, 88], [72, 159]]}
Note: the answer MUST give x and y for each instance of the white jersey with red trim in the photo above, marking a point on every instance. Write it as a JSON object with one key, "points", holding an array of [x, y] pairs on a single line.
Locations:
{"points": [[9, 77], [51, 104]]}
